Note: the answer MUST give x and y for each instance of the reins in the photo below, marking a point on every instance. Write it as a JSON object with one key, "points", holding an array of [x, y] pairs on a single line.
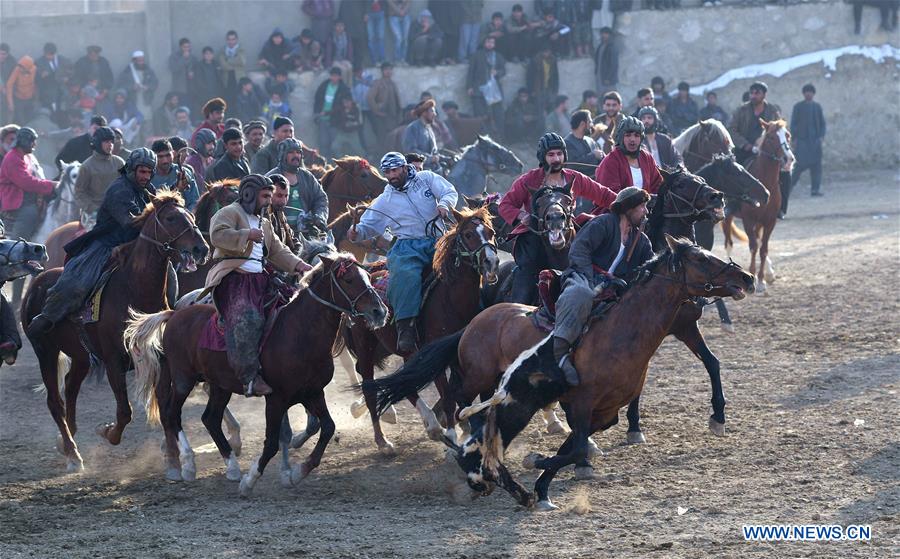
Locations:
{"points": [[166, 246], [334, 284]]}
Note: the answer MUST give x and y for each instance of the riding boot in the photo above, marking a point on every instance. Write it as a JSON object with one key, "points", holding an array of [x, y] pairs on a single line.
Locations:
{"points": [[257, 387], [406, 336], [562, 353], [40, 325]]}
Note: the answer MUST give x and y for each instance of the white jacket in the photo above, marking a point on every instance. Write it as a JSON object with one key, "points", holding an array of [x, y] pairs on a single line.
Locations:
{"points": [[410, 210]]}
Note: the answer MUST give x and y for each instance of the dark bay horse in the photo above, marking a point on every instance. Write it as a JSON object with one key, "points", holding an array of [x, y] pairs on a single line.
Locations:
{"points": [[478, 161], [168, 232], [612, 358], [774, 155], [465, 255], [169, 363], [350, 181], [217, 196]]}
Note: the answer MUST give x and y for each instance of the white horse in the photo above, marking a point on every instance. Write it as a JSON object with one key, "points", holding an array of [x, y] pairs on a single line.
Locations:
{"points": [[62, 209]]}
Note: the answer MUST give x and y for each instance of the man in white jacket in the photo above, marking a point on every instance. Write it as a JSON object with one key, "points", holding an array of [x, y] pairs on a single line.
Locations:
{"points": [[410, 200]]}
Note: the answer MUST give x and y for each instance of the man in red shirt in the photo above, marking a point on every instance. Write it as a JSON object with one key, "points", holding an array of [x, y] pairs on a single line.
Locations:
{"points": [[529, 251], [628, 164], [214, 117]]}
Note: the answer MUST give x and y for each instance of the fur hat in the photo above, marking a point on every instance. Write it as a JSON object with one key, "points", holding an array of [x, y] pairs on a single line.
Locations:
{"points": [[213, 105], [628, 198], [422, 107]]}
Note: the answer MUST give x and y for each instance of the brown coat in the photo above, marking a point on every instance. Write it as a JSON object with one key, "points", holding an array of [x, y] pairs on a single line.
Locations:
{"points": [[229, 234], [384, 99]]}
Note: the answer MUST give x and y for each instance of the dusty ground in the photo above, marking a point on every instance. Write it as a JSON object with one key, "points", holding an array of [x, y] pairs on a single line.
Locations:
{"points": [[811, 379]]}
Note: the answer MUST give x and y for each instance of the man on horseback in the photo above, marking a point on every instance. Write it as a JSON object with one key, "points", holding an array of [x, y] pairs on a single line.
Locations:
{"points": [[610, 246], [307, 204], [88, 254], [627, 164], [22, 182], [244, 242], [419, 136], [410, 202], [517, 206], [98, 171]]}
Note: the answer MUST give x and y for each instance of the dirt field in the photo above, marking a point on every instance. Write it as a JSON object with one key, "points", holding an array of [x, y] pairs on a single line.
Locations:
{"points": [[811, 379]]}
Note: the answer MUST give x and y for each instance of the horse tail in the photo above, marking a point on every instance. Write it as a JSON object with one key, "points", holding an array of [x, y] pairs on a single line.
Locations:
{"points": [[737, 232], [417, 373], [143, 338]]}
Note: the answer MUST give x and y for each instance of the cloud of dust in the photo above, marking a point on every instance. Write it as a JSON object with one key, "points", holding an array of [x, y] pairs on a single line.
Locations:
{"points": [[581, 503]]}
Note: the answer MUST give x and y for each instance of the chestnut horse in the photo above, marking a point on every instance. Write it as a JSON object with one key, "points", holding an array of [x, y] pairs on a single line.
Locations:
{"points": [[464, 256], [612, 358], [774, 155], [298, 366], [350, 181], [167, 232]]}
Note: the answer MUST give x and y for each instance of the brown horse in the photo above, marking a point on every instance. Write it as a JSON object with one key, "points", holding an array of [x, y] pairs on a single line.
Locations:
{"points": [[774, 154], [298, 366], [218, 195], [58, 239], [464, 256], [340, 228], [139, 282], [612, 358], [350, 181]]}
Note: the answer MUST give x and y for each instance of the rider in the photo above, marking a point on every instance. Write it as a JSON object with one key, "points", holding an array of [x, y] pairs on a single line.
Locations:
{"points": [[658, 143], [168, 174], [125, 199], [610, 246], [419, 136], [21, 183], [98, 171], [244, 241], [411, 200], [201, 159], [627, 164], [280, 225], [516, 207], [307, 206]]}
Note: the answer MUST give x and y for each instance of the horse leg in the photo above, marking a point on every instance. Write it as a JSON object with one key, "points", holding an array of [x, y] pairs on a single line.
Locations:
{"points": [[115, 373], [447, 406], [275, 412], [764, 260], [634, 434], [553, 424], [573, 450], [318, 407], [49, 363], [78, 371], [365, 366], [169, 415], [185, 468], [231, 423], [432, 426], [726, 230], [724, 318], [693, 339], [212, 416], [312, 427]]}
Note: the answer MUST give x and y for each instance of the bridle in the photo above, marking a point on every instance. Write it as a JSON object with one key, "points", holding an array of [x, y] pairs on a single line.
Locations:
{"points": [[166, 247], [369, 195], [679, 202], [774, 156], [334, 273], [707, 286], [476, 256], [564, 202]]}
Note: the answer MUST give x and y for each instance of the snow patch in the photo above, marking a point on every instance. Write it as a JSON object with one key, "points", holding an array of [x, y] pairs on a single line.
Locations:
{"points": [[780, 67]]}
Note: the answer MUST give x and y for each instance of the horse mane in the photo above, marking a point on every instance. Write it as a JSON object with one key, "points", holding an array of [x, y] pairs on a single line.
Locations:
{"points": [[646, 270], [683, 141], [162, 198], [319, 268], [444, 263], [207, 199]]}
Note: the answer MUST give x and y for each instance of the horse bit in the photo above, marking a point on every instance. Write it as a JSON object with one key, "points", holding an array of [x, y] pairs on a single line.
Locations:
{"points": [[342, 269]]}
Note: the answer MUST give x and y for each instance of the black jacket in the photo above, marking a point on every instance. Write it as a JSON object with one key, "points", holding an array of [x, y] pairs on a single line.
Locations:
{"points": [[480, 70], [76, 149], [226, 168], [319, 100], [123, 201], [596, 246]]}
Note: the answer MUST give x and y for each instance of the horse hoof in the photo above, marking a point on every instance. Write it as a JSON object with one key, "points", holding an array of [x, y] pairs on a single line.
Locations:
{"points": [[390, 416], [9, 359], [557, 428], [435, 433], [246, 487], [173, 474], [358, 408], [107, 432], [298, 473], [593, 450], [727, 327], [74, 465], [189, 472], [545, 506], [233, 474], [530, 461], [286, 478], [235, 444], [387, 449], [761, 288], [583, 473], [718, 429], [60, 446], [635, 437]]}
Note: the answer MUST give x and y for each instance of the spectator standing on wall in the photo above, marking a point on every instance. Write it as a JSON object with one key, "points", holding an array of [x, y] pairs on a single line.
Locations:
{"points": [[353, 15], [468, 27], [321, 16], [139, 80], [374, 19], [521, 33], [327, 97], [232, 64], [399, 20], [808, 131], [182, 63], [486, 68], [207, 82], [426, 41], [712, 109], [384, 102], [53, 74], [606, 61], [275, 54], [683, 110], [542, 78], [496, 28], [339, 52], [92, 67]]}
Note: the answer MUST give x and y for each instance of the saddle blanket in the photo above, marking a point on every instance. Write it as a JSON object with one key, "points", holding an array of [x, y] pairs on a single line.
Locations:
{"points": [[90, 313]]}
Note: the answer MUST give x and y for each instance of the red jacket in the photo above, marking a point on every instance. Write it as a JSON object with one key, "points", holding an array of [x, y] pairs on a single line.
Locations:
{"points": [[20, 173], [519, 196], [217, 129], [613, 171]]}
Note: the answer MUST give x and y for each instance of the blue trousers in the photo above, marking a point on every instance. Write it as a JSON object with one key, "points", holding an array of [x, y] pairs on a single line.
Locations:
{"points": [[406, 261], [375, 30]]}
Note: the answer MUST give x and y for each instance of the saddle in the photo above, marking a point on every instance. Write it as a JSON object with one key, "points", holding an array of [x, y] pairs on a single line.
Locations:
{"points": [[90, 312], [381, 279], [549, 289]]}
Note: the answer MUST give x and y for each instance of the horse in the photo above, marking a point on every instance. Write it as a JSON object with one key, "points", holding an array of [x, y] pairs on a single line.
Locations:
{"points": [[612, 358], [62, 208], [167, 231], [465, 256], [18, 259], [218, 195], [298, 366], [476, 163], [340, 228], [350, 181], [774, 154]]}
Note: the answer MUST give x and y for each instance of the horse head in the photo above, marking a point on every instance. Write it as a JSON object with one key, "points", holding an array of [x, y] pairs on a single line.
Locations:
{"points": [[552, 213], [225, 192], [775, 143], [699, 272], [350, 288], [735, 181], [19, 258], [359, 174], [166, 224], [687, 196], [472, 241], [311, 156], [68, 175], [495, 157]]}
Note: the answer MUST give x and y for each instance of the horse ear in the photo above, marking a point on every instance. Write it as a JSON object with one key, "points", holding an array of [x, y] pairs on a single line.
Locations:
{"points": [[456, 215], [327, 261], [665, 173], [670, 240]]}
